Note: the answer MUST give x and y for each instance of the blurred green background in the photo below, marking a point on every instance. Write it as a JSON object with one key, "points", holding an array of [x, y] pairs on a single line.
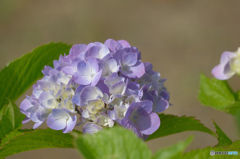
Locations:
{"points": [[182, 38]]}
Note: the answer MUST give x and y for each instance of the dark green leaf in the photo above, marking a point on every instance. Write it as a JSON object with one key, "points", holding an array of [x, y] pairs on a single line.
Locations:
{"points": [[223, 140], [36, 139], [22, 73], [10, 120], [216, 93], [173, 151], [171, 124], [113, 143]]}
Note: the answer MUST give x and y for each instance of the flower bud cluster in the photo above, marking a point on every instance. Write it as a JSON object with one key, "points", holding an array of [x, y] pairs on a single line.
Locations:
{"points": [[98, 85]]}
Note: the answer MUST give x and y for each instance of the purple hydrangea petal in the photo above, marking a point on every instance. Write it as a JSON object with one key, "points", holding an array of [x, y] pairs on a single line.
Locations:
{"points": [[84, 68], [58, 113], [56, 124], [89, 93], [112, 45], [47, 100], [133, 88], [94, 65], [160, 105], [112, 64], [103, 52], [124, 43], [118, 88], [96, 78], [111, 114], [132, 126], [42, 113], [148, 124], [37, 124], [71, 122], [140, 117], [130, 59], [46, 70], [91, 128], [69, 70], [165, 95], [112, 79], [76, 97], [92, 52], [25, 120], [138, 70], [37, 90], [103, 87], [77, 49], [81, 79], [25, 105], [148, 66], [146, 107]]}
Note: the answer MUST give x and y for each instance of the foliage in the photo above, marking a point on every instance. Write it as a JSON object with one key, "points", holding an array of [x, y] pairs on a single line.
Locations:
{"points": [[218, 94], [25, 140], [117, 143], [10, 119], [171, 124]]}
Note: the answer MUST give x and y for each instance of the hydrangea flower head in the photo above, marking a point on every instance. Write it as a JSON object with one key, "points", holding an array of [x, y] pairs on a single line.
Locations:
{"points": [[98, 85], [229, 65]]}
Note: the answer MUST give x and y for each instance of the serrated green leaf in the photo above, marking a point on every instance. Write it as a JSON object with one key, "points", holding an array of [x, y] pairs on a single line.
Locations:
{"points": [[10, 120], [113, 143], [36, 139], [216, 93], [22, 73], [205, 153], [173, 151], [223, 140], [12, 135], [171, 124]]}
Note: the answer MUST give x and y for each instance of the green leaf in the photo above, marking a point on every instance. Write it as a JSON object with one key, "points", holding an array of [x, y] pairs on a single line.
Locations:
{"points": [[36, 139], [216, 93], [205, 153], [12, 135], [223, 140], [171, 124], [173, 151], [10, 120], [113, 143], [22, 73], [235, 146]]}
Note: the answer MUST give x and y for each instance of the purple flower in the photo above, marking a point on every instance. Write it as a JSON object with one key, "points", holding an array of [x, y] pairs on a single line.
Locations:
{"points": [[88, 72], [60, 119], [91, 128], [129, 62], [101, 84], [114, 45], [224, 71], [160, 103], [99, 51], [88, 93], [31, 108], [140, 118]]}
